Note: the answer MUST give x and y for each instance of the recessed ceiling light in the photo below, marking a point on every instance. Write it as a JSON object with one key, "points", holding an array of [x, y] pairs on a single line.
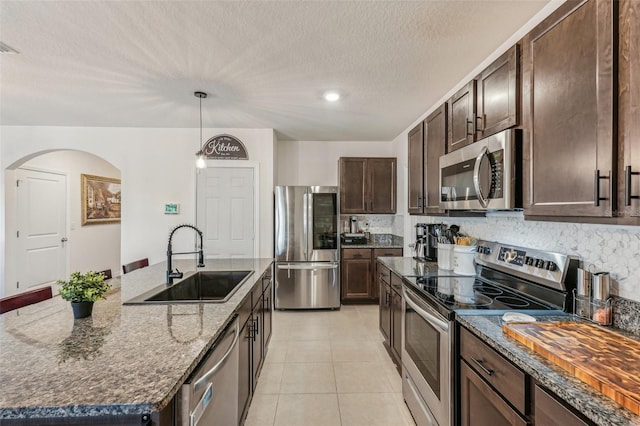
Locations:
{"points": [[332, 96]]}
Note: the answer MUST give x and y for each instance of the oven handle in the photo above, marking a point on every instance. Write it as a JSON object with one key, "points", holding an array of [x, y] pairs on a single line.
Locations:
{"points": [[422, 311], [476, 176]]}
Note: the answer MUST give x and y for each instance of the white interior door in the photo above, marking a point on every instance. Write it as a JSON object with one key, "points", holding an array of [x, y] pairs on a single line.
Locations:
{"points": [[41, 228], [226, 211]]}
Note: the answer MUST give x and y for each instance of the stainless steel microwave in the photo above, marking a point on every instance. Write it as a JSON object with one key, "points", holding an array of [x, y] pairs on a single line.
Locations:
{"points": [[486, 175]]}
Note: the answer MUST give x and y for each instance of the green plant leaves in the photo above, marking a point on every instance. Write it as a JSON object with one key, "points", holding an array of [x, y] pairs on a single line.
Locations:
{"points": [[87, 287]]}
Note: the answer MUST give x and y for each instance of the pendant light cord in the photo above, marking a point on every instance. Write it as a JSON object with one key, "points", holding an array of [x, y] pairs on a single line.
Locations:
{"points": [[202, 153]]}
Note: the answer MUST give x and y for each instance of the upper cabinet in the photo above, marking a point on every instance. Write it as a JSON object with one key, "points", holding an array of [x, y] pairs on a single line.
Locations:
{"points": [[568, 94], [462, 108], [427, 142], [498, 95], [629, 108], [415, 165], [367, 185], [486, 105]]}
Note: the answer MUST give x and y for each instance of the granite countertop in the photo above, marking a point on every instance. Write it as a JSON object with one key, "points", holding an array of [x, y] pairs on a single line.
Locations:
{"points": [[597, 407], [585, 399], [124, 359], [379, 241]]}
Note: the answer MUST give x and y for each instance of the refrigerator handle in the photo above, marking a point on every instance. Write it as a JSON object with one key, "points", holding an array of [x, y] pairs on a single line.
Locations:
{"points": [[305, 224], [309, 225]]}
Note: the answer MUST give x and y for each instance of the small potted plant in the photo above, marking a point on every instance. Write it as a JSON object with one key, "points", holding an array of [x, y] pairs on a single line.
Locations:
{"points": [[82, 290]]}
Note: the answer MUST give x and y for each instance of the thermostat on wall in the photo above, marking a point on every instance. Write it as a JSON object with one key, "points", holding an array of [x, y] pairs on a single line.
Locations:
{"points": [[171, 208]]}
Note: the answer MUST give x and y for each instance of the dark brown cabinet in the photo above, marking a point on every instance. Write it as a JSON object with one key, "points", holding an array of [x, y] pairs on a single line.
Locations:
{"points": [[427, 143], [486, 105], [367, 185], [568, 99], [498, 95], [359, 280], [390, 312], [550, 411], [492, 390], [483, 406], [628, 102], [255, 334], [384, 283], [396, 319], [356, 274], [415, 166], [462, 111]]}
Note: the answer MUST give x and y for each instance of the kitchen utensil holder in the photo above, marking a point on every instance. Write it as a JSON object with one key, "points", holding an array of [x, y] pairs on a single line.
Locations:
{"points": [[581, 306], [602, 311], [596, 311]]}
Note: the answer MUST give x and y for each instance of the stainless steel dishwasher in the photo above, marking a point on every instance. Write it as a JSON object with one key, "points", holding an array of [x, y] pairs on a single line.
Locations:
{"points": [[210, 396]]}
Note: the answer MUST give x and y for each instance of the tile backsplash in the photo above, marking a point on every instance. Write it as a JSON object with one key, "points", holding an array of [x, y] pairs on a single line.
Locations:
{"points": [[378, 223], [609, 248]]}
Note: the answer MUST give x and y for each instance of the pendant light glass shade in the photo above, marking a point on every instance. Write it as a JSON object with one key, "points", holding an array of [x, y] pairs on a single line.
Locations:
{"points": [[201, 161]]}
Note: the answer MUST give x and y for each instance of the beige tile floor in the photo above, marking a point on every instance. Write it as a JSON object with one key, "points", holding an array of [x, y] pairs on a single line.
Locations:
{"points": [[328, 368]]}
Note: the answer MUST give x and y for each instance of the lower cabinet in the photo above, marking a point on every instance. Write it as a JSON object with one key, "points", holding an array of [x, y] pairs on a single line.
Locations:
{"points": [[550, 411], [359, 273], [390, 287], [255, 316], [494, 392]]}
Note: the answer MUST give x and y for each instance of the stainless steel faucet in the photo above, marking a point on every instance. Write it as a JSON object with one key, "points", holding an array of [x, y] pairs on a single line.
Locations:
{"points": [[177, 274]]}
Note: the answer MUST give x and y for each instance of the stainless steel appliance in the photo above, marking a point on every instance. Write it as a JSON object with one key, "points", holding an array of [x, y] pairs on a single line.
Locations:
{"points": [[210, 396], [307, 247], [486, 175], [426, 245], [509, 278]]}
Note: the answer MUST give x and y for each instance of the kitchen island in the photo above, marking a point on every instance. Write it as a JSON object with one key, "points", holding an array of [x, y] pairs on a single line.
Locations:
{"points": [[124, 360]]}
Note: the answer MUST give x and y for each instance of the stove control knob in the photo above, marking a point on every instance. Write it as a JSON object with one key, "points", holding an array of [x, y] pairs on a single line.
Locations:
{"points": [[551, 266], [539, 263], [528, 260]]}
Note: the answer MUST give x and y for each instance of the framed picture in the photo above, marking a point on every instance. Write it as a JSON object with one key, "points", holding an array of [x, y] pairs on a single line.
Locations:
{"points": [[100, 199]]}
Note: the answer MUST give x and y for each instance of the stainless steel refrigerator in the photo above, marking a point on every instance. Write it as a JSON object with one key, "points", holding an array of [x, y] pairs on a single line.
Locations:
{"points": [[307, 247]]}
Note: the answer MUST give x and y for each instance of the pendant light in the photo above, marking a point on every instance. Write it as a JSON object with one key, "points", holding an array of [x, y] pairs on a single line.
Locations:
{"points": [[201, 161]]}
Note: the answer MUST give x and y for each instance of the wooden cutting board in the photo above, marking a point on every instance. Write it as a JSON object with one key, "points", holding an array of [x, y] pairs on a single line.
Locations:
{"points": [[605, 360]]}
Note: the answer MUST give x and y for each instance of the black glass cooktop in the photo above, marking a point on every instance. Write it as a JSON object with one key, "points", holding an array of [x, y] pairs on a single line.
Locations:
{"points": [[460, 292]]}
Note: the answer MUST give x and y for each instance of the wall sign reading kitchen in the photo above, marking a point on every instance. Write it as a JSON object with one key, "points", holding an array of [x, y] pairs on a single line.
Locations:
{"points": [[225, 147]]}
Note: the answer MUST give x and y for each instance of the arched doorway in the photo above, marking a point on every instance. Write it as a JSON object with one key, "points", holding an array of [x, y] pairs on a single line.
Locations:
{"points": [[46, 237]]}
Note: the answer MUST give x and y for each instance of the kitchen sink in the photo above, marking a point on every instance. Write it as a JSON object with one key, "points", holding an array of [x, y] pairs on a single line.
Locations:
{"points": [[200, 287]]}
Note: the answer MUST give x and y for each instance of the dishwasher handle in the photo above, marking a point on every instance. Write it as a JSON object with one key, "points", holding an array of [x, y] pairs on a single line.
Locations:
{"points": [[201, 406], [205, 377]]}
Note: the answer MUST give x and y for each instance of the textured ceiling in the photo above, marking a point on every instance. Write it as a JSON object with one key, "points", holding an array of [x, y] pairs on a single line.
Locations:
{"points": [[265, 64]]}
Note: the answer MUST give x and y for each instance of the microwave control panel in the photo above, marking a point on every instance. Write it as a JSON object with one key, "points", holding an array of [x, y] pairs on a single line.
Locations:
{"points": [[496, 160]]}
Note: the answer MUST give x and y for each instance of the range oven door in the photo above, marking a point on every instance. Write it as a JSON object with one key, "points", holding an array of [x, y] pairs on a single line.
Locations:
{"points": [[483, 175], [427, 361]]}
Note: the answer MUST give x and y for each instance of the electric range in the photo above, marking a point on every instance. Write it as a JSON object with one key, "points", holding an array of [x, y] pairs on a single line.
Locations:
{"points": [[507, 278]]}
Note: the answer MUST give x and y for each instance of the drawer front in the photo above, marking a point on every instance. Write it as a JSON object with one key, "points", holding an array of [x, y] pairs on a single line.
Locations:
{"points": [[256, 293], [495, 369], [356, 253], [387, 252], [383, 273]]}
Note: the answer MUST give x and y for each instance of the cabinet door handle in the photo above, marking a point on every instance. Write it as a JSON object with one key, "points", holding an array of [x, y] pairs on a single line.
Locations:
{"points": [[596, 187], [480, 120], [482, 367], [357, 255], [627, 186], [467, 122], [257, 329]]}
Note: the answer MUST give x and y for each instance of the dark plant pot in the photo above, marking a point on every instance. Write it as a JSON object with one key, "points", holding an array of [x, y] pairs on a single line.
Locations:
{"points": [[82, 309]]}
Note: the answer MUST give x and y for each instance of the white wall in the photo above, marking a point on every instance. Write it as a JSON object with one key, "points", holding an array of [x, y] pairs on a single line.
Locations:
{"points": [[156, 165], [91, 247], [316, 163]]}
